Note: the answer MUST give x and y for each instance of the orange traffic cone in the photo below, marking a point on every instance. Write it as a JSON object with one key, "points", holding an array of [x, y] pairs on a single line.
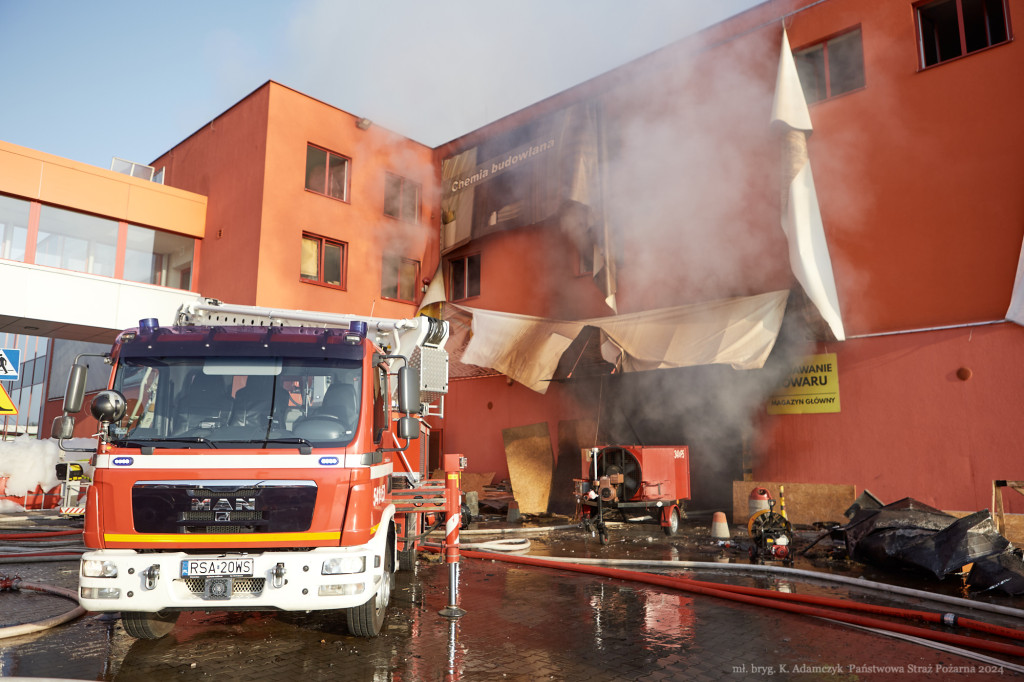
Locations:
{"points": [[719, 527]]}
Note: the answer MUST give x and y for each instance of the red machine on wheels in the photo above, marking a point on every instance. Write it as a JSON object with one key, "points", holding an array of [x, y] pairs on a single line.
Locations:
{"points": [[636, 481]]}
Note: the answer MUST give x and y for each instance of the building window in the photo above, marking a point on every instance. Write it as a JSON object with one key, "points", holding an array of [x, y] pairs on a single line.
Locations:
{"points": [[14, 215], [323, 260], [71, 240], [398, 278], [401, 198], [161, 258], [76, 241], [26, 394], [831, 67], [326, 173], [953, 28], [585, 260], [465, 277]]}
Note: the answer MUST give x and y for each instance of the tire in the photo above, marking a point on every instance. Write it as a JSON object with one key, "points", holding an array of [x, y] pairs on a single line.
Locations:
{"points": [[142, 625], [407, 556], [673, 523], [366, 619], [407, 559]]}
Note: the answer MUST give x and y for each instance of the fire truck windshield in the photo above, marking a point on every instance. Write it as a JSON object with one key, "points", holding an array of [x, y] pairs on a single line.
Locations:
{"points": [[238, 402]]}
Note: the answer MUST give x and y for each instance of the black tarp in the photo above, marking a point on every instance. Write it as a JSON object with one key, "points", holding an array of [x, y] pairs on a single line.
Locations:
{"points": [[911, 535], [1003, 572]]}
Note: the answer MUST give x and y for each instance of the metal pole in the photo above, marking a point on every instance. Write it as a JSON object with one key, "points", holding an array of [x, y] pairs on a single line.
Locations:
{"points": [[453, 464]]}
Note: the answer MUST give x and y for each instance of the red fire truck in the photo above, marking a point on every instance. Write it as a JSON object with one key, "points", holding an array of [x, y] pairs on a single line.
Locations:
{"points": [[253, 459]]}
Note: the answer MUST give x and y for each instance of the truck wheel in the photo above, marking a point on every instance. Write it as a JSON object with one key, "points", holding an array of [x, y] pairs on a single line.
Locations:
{"points": [[366, 619], [673, 522], [142, 625], [407, 555], [407, 559]]}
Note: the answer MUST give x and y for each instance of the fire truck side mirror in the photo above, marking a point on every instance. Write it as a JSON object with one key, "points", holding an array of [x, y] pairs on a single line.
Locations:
{"points": [[63, 428], [408, 428], [75, 393], [409, 390]]}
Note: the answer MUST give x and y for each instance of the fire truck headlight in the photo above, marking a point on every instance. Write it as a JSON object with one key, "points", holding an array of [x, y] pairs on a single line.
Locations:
{"points": [[96, 568], [341, 590], [345, 564], [101, 593]]}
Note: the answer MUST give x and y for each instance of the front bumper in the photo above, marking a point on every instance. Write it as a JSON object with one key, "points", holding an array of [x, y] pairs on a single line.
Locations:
{"points": [[285, 580]]}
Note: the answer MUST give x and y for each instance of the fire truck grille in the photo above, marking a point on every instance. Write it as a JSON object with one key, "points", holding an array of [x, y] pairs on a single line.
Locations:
{"points": [[200, 517], [203, 507], [239, 586], [217, 529], [241, 492]]}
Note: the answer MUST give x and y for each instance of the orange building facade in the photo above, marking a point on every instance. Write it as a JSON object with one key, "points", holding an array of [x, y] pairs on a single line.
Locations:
{"points": [[917, 162], [310, 207], [656, 190]]}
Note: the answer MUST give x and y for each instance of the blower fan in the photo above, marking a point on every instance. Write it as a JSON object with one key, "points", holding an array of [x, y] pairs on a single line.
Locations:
{"points": [[636, 481], [619, 464]]}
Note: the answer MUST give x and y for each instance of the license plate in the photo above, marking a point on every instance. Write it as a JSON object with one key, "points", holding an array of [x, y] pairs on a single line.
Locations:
{"points": [[193, 568]]}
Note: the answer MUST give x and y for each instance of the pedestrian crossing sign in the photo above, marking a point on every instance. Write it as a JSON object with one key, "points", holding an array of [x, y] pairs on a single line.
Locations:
{"points": [[7, 406], [10, 361]]}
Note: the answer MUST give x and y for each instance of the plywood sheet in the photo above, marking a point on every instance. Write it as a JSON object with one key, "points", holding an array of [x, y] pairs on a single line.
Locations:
{"points": [[1013, 528], [530, 465], [806, 503]]}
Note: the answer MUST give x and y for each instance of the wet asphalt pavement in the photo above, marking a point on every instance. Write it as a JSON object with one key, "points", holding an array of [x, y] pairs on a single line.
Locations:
{"points": [[521, 623]]}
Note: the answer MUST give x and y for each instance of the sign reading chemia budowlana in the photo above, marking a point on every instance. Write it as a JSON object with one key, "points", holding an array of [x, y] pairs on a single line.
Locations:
{"points": [[812, 387]]}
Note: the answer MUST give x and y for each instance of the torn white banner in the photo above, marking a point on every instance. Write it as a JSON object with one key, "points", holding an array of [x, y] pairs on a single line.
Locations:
{"points": [[801, 217]]}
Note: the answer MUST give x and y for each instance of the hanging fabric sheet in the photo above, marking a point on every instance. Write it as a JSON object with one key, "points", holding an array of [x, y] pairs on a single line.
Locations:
{"points": [[739, 332]]}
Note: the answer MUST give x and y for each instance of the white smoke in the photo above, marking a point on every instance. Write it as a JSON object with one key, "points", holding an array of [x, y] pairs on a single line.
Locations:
{"points": [[28, 463], [436, 71]]}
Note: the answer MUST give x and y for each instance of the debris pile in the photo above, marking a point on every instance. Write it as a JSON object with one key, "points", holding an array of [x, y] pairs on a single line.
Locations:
{"points": [[911, 535]]}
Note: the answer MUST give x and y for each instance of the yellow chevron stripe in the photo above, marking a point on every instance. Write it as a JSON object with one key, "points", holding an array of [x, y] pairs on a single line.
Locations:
{"points": [[212, 538]]}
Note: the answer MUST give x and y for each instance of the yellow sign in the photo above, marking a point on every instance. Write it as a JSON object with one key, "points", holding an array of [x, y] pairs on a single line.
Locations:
{"points": [[812, 387], [6, 404]]}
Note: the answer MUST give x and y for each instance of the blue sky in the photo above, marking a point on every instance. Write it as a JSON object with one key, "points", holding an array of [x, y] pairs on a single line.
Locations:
{"points": [[90, 80]]}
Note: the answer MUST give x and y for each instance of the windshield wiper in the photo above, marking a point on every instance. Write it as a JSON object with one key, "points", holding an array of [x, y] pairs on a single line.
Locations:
{"points": [[163, 442], [307, 450], [138, 442], [301, 441]]}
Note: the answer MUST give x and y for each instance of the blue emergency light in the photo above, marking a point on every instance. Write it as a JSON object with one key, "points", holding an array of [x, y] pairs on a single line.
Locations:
{"points": [[356, 332]]}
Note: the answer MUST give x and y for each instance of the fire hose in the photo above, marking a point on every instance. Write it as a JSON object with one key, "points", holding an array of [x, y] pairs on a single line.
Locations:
{"points": [[26, 554], [36, 557], [795, 573], [504, 545], [30, 553], [799, 604], [45, 624], [36, 536]]}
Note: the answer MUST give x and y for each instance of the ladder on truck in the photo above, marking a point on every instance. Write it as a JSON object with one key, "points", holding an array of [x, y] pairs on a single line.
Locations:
{"points": [[419, 339]]}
